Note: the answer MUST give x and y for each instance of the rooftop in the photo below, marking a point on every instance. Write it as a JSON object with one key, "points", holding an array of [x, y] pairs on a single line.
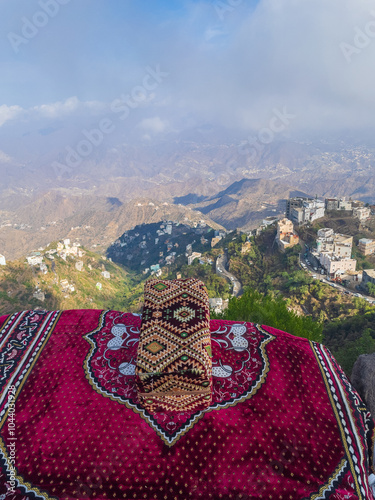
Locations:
{"points": [[370, 272]]}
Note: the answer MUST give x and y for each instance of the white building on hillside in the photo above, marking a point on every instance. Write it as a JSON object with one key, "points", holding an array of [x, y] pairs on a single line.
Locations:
{"points": [[79, 265], [34, 260], [335, 251], [339, 245], [366, 246], [345, 204], [3, 262], [325, 232], [362, 213], [193, 256], [218, 304], [39, 295], [298, 215], [304, 210], [71, 251], [314, 210], [335, 265], [268, 221]]}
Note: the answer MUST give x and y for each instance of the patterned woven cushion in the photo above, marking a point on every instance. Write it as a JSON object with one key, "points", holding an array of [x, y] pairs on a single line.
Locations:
{"points": [[174, 368]]}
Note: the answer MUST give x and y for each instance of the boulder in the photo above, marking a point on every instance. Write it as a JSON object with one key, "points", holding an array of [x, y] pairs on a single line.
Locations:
{"points": [[363, 380]]}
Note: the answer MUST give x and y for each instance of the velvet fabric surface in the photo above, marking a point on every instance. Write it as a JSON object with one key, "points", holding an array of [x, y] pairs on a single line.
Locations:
{"points": [[284, 422]]}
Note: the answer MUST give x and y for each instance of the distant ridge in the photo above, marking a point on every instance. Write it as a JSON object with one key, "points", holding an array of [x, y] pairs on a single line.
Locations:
{"points": [[246, 202], [94, 221]]}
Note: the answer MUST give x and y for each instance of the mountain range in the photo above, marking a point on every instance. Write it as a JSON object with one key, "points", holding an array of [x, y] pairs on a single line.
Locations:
{"points": [[245, 203], [186, 178]]}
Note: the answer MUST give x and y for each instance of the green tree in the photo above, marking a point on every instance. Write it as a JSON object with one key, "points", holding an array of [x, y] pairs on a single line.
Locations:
{"points": [[347, 355], [370, 289], [268, 310]]}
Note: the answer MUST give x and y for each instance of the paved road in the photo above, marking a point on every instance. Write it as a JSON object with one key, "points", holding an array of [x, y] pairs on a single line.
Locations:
{"points": [[221, 263]]}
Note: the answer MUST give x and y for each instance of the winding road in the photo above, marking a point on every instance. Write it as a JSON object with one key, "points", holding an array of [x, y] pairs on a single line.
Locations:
{"points": [[221, 263]]}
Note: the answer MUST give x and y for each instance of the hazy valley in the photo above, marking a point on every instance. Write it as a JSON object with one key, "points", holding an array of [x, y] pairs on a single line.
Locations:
{"points": [[187, 179]]}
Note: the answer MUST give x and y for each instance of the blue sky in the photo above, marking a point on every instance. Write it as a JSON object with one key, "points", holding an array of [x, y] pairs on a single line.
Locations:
{"points": [[230, 63], [92, 48]]}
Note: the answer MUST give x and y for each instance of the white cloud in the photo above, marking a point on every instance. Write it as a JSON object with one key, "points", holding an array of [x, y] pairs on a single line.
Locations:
{"points": [[4, 158], [60, 109], [9, 113], [68, 107], [213, 32], [155, 125], [283, 53]]}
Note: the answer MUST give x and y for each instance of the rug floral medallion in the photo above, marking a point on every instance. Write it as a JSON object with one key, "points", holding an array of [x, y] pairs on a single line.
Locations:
{"points": [[239, 360]]}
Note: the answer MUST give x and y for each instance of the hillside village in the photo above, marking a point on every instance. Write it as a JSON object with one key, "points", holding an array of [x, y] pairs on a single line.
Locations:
{"points": [[77, 277], [148, 248], [63, 250], [66, 276], [330, 253]]}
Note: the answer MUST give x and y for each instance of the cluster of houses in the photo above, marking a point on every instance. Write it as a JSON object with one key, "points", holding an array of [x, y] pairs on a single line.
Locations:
{"points": [[358, 208], [333, 254], [67, 287], [35, 259], [167, 228], [22, 227], [154, 270], [196, 255], [301, 210], [63, 249], [192, 256]]}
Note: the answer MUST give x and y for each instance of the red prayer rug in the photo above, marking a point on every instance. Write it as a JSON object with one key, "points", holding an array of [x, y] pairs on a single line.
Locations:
{"points": [[284, 422]]}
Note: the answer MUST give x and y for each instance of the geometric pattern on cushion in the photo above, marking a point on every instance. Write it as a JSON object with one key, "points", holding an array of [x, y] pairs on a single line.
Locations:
{"points": [[174, 366]]}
